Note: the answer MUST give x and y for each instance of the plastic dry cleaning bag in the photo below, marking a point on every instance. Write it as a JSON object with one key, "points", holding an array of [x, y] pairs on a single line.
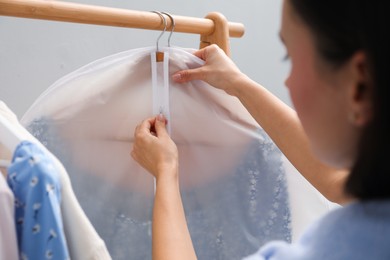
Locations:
{"points": [[231, 174]]}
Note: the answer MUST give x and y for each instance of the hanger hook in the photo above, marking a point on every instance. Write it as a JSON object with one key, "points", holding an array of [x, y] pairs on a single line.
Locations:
{"points": [[173, 23], [165, 27]]}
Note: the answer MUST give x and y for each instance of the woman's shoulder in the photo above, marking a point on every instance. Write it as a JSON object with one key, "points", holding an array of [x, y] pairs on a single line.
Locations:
{"points": [[360, 230], [357, 216], [356, 220]]}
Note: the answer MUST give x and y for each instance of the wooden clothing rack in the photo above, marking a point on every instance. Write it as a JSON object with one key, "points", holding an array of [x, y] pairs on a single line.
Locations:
{"points": [[213, 29]]}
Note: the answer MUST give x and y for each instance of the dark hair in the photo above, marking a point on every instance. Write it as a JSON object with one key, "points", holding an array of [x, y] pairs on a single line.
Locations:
{"points": [[340, 29]]}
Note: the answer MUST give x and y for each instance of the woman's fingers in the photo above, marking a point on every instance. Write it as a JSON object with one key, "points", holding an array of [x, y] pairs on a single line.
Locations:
{"points": [[153, 148], [218, 71], [160, 126], [145, 127], [201, 54], [188, 75]]}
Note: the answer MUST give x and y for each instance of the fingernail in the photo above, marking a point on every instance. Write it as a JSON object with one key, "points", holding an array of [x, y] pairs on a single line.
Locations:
{"points": [[176, 77], [160, 117]]}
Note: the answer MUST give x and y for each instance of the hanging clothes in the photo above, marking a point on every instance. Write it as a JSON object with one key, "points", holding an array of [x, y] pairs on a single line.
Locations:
{"points": [[83, 241], [8, 243], [232, 175], [37, 189]]}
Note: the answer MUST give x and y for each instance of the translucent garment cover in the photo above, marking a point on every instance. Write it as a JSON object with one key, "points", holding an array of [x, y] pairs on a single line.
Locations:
{"points": [[232, 175]]}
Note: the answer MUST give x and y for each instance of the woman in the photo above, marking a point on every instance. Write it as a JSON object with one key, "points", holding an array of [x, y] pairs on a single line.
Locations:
{"points": [[337, 138]]}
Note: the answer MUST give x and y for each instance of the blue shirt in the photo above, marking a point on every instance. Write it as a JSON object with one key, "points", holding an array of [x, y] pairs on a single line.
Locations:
{"points": [[360, 230], [36, 185]]}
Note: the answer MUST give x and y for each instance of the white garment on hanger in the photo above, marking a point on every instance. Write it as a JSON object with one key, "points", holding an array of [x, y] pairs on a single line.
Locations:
{"points": [[232, 176], [8, 243], [83, 241]]}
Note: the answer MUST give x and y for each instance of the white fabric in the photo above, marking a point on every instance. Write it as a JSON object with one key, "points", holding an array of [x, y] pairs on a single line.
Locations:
{"points": [[160, 85], [83, 241], [307, 204], [8, 243], [5, 153], [232, 175]]}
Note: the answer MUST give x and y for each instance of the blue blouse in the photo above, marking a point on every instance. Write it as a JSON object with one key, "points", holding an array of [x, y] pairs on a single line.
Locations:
{"points": [[360, 230], [36, 185]]}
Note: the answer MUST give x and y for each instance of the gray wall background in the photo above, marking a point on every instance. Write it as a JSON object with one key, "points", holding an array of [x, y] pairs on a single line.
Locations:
{"points": [[34, 53]]}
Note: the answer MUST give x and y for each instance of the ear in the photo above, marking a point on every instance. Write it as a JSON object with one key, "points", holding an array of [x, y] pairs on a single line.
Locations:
{"points": [[360, 94]]}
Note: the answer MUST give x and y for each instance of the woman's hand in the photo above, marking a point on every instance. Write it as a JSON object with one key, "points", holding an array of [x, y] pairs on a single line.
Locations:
{"points": [[218, 70], [153, 148], [157, 153]]}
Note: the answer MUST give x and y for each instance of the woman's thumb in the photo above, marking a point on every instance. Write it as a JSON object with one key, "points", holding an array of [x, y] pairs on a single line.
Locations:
{"points": [[159, 125], [188, 75]]}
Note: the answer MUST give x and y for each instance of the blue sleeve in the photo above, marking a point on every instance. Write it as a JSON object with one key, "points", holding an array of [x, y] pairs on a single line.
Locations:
{"points": [[36, 185], [359, 231], [281, 250]]}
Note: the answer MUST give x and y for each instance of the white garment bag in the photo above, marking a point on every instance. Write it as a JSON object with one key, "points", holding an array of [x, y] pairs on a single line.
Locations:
{"points": [[232, 175]]}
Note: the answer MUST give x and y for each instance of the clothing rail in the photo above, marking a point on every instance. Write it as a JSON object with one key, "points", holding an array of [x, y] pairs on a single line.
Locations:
{"points": [[214, 28]]}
